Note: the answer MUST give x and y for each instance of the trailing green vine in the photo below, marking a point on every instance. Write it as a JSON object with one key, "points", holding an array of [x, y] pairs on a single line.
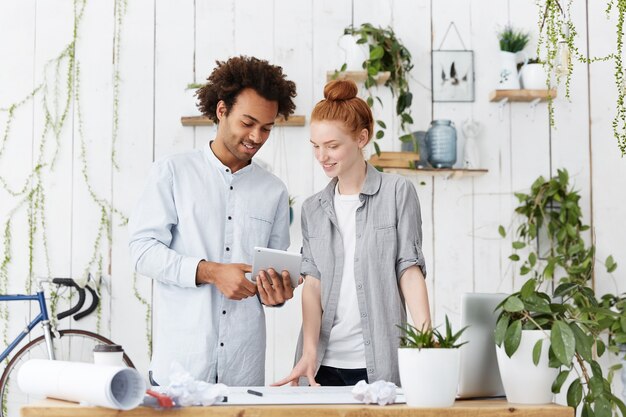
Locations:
{"points": [[58, 91], [148, 317], [556, 45], [386, 53]]}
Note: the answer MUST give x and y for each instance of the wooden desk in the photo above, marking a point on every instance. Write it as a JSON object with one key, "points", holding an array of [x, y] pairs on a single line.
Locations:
{"points": [[477, 408]]}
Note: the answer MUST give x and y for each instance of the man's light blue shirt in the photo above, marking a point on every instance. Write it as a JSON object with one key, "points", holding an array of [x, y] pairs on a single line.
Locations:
{"points": [[193, 208]]}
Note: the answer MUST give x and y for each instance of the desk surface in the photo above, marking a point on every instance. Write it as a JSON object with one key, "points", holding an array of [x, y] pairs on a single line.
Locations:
{"points": [[476, 408]]}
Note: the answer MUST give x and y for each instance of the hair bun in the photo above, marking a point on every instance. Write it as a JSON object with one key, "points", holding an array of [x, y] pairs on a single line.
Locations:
{"points": [[339, 90]]}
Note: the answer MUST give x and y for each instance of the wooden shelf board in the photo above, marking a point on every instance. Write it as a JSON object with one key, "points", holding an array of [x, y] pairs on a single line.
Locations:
{"points": [[358, 76], [521, 95], [438, 172], [295, 120]]}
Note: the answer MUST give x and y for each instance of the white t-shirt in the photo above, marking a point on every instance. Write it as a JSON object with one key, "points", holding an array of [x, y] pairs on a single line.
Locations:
{"points": [[345, 346]]}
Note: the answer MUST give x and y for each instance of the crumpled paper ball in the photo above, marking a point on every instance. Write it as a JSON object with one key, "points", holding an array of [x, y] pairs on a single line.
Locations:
{"points": [[186, 391], [380, 392]]}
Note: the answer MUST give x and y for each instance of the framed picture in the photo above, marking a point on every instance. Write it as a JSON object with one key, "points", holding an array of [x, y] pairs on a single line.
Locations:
{"points": [[453, 75]]}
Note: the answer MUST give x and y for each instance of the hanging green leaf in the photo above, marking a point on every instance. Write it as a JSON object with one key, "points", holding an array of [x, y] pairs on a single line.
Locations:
{"points": [[377, 53], [513, 304], [537, 351], [558, 382], [512, 338], [563, 342], [574, 393], [501, 326]]}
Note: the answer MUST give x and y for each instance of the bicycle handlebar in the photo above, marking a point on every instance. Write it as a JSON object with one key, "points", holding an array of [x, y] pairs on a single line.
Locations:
{"points": [[92, 307], [69, 282]]}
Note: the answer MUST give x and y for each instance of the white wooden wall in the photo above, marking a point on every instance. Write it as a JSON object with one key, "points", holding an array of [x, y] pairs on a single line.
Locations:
{"points": [[168, 44]]}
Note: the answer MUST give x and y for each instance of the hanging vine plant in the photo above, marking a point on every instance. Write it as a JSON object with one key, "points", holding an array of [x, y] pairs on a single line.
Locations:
{"points": [[557, 48], [59, 90], [386, 54]]}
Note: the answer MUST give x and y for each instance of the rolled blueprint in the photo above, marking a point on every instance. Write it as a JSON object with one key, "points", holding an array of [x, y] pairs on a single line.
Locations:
{"points": [[107, 386]]}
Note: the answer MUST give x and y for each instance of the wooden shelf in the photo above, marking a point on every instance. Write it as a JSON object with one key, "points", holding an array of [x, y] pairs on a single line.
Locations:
{"points": [[448, 173], [295, 120], [521, 95], [358, 76]]}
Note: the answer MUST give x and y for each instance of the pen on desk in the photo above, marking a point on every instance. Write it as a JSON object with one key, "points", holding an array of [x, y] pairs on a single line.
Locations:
{"points": [[253, 392]]}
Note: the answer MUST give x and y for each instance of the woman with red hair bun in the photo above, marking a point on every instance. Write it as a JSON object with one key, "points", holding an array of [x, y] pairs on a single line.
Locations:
{"points": [[362, 256]]}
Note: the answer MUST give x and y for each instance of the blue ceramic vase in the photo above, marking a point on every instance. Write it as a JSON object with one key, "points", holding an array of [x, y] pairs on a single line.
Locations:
{"points": [[441, 143]]}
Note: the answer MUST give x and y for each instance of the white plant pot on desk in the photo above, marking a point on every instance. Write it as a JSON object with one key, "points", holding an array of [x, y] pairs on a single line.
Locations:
{"points": [[429, 377], [525, 383]]}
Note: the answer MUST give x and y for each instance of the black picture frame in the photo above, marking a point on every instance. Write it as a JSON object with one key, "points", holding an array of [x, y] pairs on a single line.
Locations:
{"points": [[452, 75]]}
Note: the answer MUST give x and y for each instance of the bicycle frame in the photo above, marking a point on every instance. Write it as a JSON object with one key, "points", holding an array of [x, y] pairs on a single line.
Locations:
{"points": [[42, 317]]}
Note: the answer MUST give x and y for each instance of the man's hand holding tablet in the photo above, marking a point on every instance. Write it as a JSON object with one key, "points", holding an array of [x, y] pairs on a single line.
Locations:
{"points": [[275, 289]]}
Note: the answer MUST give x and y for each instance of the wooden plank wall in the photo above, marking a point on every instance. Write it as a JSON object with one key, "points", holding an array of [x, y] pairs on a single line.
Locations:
{"points": [[166, 45]]}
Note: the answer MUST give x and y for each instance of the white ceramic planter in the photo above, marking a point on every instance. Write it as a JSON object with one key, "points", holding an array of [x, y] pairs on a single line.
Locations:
{"points": [[429, 377], [533, 77], [509, 77], [525, 383]]}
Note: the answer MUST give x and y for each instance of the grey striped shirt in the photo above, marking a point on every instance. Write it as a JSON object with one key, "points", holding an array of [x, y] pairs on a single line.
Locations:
{"points": [[388, 241]]}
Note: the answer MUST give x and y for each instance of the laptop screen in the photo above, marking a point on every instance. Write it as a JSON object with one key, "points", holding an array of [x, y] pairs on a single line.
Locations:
{"points": [[479, 375]]}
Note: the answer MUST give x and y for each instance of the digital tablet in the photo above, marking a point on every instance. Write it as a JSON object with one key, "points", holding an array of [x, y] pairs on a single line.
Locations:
{"points": [[279, 260]]}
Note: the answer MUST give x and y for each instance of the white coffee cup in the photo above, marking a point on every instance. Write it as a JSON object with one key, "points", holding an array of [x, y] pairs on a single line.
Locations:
{"points": [[112, 355]]}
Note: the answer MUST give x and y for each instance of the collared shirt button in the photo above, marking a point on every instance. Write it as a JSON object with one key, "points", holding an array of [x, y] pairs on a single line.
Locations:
{"points": [[223, 311], [359, 286], [367, 342], [227, 170], [227, 248], [370, 370], [358, 235], [230, 218], [231, 187], [222, 344], [363, 314]]}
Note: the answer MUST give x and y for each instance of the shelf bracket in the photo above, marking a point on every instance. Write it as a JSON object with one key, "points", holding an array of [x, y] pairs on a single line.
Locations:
{"points": [[501, 104]]}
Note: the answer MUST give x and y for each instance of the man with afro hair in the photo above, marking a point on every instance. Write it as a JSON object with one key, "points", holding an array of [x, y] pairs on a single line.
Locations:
{"points": [[197, 221]]}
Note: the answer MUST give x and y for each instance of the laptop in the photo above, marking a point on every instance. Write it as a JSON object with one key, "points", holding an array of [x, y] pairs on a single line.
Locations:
{"points": [[479, 375]]}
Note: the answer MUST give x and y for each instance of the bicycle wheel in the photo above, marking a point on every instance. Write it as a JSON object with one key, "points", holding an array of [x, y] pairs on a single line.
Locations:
{"points": [[71, 345]]}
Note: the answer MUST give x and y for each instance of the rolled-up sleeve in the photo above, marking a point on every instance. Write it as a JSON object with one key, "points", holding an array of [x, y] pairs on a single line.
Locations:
{"points": [[308, 263], [150, 228], [409, 229]]}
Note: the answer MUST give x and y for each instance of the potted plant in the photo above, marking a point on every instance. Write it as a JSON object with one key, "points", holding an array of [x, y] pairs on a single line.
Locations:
{"points": [[429, 365], [533, 75], [570, 317], [511, 41], [386, 54]]}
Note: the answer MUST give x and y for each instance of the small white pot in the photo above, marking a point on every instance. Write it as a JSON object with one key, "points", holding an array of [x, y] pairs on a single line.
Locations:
{"points": [[533, 77], [525, 383], [429, 377]]}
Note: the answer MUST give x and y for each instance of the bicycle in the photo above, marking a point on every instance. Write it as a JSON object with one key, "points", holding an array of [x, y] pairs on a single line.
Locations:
{"points": [[69, 344]]}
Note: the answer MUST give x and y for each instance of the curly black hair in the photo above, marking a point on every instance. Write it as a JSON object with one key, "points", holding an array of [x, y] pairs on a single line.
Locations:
{"points": [[229, 78]]}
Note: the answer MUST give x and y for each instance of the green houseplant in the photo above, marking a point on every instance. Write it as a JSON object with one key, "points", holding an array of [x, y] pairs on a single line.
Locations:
{"points": [[512, 40], [429, 361], [571, 313], [386, 53]]}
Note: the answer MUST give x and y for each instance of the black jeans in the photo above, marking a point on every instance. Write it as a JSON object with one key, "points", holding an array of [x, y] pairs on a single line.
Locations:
{"points": [[337, 377]]}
